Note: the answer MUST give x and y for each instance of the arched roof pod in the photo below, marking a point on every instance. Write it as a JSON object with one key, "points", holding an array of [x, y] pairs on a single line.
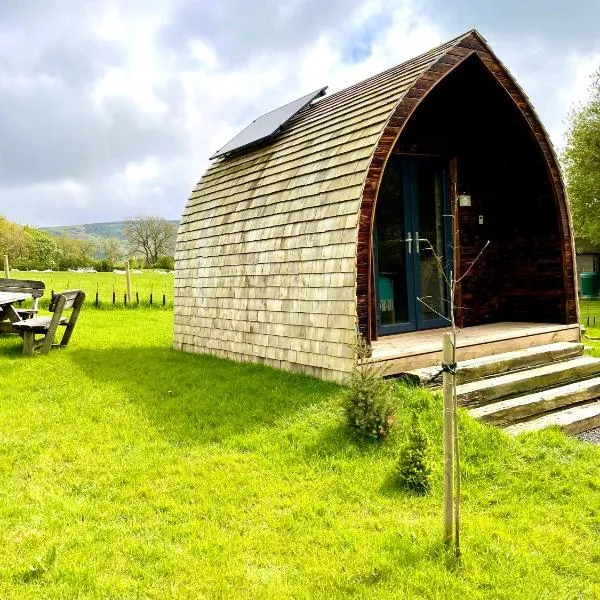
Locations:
{"points": [[274, 253]]}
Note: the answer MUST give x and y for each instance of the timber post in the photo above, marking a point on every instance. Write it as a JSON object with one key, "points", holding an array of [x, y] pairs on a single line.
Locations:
{"points": [[448, 391], [128, 280], [6, 269]]}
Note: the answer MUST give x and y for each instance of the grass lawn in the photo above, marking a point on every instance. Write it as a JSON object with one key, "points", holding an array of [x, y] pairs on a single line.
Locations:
{"points": [[143, 282], [590, 309], [129, 470]]}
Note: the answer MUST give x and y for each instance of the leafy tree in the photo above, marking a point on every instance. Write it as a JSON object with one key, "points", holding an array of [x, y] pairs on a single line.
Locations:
{"points": [[13, 240], [42, 250], [69, 252], [150, 237], [86, 248], [111, 250], [581, 158], [75, 252]]}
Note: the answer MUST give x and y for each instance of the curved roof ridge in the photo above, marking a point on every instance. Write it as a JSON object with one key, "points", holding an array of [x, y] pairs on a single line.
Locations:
{"points": [[342, 107], [433, 54]]}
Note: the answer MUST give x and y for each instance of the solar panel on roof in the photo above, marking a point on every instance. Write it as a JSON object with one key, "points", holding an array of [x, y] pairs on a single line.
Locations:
{"points": [[268, 125]]}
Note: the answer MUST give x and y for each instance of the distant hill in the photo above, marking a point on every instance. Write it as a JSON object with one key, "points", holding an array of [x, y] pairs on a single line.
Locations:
{"points": [[92, 230]]}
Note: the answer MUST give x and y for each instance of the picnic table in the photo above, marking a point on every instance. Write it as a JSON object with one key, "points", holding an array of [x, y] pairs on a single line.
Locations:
{"points": [[13, 291], [24, 322], [7, 309]]}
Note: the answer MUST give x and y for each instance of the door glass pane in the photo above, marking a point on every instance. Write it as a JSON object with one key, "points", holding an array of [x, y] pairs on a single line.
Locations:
{"points": [[430, 206], [391, 245]]}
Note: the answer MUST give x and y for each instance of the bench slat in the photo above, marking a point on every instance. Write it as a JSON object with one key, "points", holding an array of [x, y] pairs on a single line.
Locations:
{"points": [[38, 323]]}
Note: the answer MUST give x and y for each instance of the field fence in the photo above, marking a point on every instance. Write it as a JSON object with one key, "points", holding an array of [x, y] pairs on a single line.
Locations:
{"points": [[117, 299], [108, 290]]}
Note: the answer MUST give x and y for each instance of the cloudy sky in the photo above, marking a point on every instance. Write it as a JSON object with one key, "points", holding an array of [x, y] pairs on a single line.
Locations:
{"points": [[110, 109]]}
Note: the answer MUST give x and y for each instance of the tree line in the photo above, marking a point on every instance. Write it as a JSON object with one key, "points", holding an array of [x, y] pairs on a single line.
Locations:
{"points": [[581, 160], [148, 242]]}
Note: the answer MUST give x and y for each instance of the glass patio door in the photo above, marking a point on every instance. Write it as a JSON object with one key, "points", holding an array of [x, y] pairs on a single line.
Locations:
{"points": [[412, 244]]}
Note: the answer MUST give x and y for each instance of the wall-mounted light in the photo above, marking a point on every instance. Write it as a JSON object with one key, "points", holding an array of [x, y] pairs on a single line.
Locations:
{"points": [[464, 200]]}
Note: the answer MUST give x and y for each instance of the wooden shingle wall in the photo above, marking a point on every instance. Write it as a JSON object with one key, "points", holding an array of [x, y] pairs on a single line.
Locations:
{"points": [[266, 253]]}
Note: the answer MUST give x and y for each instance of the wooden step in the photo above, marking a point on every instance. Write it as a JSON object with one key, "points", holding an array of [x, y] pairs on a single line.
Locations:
{"points": [[477, 393], [488, 366], [571, 420], [516, 409], [399, 353]]}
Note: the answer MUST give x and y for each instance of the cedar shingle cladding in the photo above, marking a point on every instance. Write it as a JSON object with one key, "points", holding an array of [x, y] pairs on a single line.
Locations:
{"points": [[266, 256]]}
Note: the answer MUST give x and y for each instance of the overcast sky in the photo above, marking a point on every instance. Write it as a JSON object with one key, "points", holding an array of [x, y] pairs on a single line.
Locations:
{"points": [[111, 109]]}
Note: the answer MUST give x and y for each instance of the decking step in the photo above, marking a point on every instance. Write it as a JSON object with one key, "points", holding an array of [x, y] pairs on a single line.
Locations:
{"points": [[488, 366], [504, 412], [477, 393], [571, 420]]}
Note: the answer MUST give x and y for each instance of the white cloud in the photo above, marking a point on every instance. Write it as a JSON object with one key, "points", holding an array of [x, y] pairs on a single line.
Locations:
{"points": [[120, 105]]}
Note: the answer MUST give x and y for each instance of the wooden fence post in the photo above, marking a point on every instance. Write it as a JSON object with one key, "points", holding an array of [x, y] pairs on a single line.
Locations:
{"points": [[448, 390], [6, 269], [128, 277]]}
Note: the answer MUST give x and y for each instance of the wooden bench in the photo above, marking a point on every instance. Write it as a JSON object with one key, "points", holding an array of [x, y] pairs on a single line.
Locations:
{"points": [[48, 326], [24, 286]]}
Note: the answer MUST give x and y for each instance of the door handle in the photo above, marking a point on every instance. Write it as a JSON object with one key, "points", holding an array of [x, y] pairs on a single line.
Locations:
{"points": [[409, 242], [417, 242]]}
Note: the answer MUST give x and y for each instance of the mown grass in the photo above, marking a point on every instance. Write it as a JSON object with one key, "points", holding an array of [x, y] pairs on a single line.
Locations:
{"points": [[590, 313], [145, 282], [589, 309], [129, 470]]}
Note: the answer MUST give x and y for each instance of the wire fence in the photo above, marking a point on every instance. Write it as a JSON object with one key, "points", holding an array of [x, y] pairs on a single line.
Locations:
{"points": [[109, 290], [116, 299]]}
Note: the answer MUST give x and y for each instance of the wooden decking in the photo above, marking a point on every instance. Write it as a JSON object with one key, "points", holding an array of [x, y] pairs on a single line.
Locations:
{"points": [[407, 351]]}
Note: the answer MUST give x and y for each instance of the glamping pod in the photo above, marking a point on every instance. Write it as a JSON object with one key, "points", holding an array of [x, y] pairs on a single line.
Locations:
{"points": [[348, 212]]}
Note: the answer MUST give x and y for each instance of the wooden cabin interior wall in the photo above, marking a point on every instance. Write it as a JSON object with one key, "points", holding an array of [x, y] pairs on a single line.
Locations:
{"points": [[469, 117]]}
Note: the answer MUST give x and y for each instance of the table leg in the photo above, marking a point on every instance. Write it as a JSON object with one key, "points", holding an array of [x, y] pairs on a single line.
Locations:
{"points": [[10, 313], [8, 316], [28, 342]]}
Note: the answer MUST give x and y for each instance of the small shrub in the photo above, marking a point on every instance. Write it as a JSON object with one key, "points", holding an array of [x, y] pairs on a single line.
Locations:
{"points": [[414, 465], [105, 266], [165, 262], [369, 404]]}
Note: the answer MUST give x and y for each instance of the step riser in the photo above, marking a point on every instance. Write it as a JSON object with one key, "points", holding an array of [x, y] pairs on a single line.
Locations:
{"points": [[474, 369], [478, 397], [583, 425], [545, 402], [571, 420], [517, 364]]}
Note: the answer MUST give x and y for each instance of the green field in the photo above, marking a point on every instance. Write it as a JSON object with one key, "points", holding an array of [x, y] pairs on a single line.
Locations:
{"points": [[143, 282], [130, 470], [589, 309]]}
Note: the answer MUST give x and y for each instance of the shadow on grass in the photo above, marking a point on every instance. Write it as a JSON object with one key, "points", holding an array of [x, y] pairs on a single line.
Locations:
{"points": [[11, 346], [337, 439], [195, 399], [391, 488]]}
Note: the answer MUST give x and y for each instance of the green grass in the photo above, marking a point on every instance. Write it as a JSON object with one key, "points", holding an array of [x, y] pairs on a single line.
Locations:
{"points": [[129, 470], [143, 282], [589, 309]]}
